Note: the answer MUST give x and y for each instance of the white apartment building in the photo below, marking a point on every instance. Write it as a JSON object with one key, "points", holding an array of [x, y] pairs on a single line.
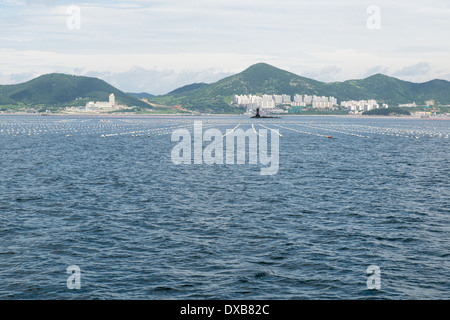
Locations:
{"points": [[278, 99], [286, 98], [307, 99], [99, 105], [298, 98], [270, 101], [324, 102], [361, 105]]}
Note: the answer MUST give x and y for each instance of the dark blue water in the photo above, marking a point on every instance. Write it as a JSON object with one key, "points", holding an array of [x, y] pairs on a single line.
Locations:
{"points": [[101, 194]]}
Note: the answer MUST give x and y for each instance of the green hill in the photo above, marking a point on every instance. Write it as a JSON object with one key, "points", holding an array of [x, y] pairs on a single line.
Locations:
{"points": [[141, 95], [380, 87], [187, 88], [61, 90], [262, 78]]}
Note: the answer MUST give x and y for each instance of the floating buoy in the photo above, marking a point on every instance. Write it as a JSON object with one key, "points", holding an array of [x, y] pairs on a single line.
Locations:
{"points": [[330, 137]]}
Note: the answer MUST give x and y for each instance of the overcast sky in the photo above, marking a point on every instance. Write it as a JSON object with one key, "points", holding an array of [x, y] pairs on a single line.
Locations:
{"points": [[156, 46]]}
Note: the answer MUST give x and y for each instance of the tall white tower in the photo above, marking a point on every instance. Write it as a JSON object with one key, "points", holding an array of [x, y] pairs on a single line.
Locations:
{"points": [[112, 100]]}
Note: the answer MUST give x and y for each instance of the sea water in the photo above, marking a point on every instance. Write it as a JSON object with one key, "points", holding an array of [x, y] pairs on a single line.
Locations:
{"points": [[103, 194]]}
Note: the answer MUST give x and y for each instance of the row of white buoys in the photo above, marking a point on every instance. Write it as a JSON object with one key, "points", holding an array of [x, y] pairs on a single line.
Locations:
{"points": [[363, 130], [69, 127], [161, 131], [34, 126], [304, 132], [277, 132], [319, 128], [334, 130]]}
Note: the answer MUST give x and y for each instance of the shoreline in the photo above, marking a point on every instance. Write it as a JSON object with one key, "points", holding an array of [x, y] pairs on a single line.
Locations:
{"points": [[110, 115]]}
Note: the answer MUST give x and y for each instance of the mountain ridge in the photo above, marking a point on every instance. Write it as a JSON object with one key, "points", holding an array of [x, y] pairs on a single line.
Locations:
{"points": [[262, 78], [60, 90]]}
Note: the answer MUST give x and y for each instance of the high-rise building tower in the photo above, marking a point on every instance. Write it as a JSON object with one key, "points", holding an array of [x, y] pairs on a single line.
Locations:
{"points": [[112, 100]]}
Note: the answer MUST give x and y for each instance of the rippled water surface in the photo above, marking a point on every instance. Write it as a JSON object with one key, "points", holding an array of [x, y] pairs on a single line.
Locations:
{"points": [[104, 194]]}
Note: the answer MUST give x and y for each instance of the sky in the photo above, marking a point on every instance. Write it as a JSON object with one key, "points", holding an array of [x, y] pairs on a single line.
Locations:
{"points": [[157, 46]]}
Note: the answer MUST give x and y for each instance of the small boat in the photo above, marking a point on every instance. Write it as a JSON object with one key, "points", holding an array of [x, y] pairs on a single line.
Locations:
{"points": [[260, 116]]}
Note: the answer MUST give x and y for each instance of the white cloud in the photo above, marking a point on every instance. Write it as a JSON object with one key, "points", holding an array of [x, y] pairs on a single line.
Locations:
{"points": [[138, 79], [421, 68], [154, 73], [323, 39], [375, 70]]}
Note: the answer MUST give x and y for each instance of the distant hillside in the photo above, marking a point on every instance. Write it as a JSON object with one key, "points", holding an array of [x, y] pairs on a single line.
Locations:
{"points": [[262, 78], [187, 88], [141, 95], [60, 90], [391, 90]]}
